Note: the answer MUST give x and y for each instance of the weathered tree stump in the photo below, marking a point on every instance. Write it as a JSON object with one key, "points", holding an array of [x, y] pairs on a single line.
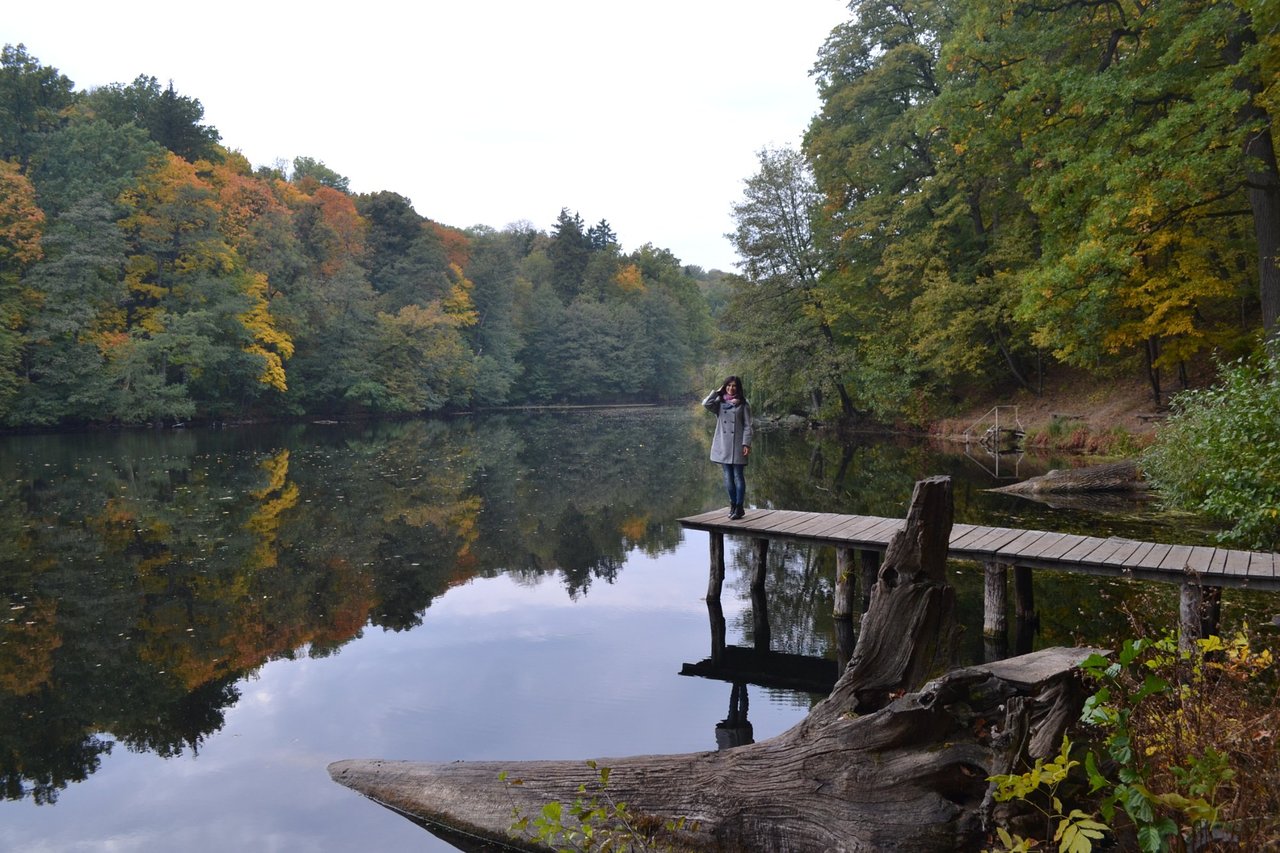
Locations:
{"points": [[887, 762]]}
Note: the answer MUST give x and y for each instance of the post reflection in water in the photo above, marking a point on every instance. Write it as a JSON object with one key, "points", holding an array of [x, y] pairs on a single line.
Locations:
{"points": [[150, 576]]}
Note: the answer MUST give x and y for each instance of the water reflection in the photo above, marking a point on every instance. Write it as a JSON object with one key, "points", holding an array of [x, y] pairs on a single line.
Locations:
{"points": [[147, 574]]}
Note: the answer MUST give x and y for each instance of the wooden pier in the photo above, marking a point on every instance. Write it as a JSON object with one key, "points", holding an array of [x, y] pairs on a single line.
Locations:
{"points": [[1202, 571]]}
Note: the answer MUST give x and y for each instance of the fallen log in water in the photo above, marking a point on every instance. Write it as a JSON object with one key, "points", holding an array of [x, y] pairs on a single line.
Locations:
{"points": [[887, 762], [1124, 476]]}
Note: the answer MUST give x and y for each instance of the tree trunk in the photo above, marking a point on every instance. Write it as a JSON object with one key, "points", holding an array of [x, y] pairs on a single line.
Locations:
{"points": [[1262, 178], [1113, 477], [884, 763]]}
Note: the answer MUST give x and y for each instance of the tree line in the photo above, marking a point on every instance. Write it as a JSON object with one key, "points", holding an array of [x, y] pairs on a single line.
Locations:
{"points": [[149, 273], [993, 189]]}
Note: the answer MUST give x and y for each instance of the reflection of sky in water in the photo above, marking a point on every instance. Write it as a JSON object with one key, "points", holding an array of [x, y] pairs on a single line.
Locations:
{"points": [[498, 669]]}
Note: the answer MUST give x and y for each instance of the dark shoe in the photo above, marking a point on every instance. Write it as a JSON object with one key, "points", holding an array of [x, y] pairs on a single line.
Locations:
{"points": [[736, 512]]}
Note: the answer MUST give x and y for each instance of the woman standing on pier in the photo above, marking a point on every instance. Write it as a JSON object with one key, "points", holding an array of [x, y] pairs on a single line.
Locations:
{"points": [[731, 444]]}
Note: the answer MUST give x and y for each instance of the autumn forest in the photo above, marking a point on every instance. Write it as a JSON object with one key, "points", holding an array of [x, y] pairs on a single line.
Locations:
{"points": [[990, 191], [150, 274]]}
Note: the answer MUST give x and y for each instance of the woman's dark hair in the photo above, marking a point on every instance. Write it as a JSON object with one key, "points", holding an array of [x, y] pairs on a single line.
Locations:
{"points": [[742, 391]]}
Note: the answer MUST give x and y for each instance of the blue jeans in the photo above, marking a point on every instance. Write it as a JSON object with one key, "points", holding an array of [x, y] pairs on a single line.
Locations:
{"points": [[735, 482]]}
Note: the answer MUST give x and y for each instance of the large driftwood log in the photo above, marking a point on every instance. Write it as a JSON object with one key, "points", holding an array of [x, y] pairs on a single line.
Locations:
{"points": [[1124, 476], [887, 762]]}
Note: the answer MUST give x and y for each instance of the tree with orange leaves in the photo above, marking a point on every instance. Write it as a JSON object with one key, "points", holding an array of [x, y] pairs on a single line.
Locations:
{"points": [[21, 224]]}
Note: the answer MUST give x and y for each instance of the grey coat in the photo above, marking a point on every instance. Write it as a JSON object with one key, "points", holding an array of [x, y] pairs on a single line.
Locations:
{"points": [[733, 430]]}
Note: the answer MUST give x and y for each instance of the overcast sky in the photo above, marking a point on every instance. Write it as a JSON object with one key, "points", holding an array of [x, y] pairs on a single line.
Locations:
{"points": [[647, 114]]}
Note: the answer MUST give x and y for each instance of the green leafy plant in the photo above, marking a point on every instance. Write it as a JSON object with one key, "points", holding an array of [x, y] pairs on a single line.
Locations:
{"points": [[1219, 452], [595, 821], [1183, 753], [1176, 725], [1075, 830]]}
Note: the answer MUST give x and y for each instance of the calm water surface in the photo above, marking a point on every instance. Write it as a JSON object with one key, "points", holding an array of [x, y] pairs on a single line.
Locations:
{"points": [[196, 623]]}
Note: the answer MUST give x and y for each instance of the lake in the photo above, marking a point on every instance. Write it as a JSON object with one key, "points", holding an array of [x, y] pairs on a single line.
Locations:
{"points": [[199, 621]]}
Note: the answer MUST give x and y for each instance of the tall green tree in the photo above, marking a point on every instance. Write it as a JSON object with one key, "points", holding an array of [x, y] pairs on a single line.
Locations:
{"points": [[68, 341], [778, 318], [90, 159], [405, 259], [32, 100], [172, 120], [498, 288], [873, 159], [1148, 163], [569, 252]]}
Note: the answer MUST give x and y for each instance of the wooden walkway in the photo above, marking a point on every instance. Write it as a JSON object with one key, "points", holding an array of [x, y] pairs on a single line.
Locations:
{"points": [[1037, 549]]}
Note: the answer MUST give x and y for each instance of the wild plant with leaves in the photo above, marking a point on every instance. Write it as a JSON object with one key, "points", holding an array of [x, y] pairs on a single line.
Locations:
{"points": [[596, 822], [1178, 751]]}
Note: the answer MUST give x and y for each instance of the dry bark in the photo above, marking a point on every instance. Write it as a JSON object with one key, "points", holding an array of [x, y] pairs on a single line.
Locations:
{"points": [[1121, 476], [887, 762]]}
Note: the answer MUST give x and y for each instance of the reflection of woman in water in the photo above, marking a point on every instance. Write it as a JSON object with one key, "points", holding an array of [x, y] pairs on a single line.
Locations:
{"points": [[731, 444]]}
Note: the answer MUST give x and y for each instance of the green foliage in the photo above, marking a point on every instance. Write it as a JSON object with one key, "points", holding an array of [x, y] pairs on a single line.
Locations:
{"points": [[1219, 452], [1173, 732], [1168, 717], [184, 284], [32, 100], [170, 119], [1074, 830], [595, 822]]}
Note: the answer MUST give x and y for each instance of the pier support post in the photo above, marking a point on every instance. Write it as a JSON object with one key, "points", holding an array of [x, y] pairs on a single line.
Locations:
{"points": [[1199, 608], [761, 561], [1024, 598], [717, 566], [718, 630], [870, 572], [846, 583], [995, 601], [761, 637]]}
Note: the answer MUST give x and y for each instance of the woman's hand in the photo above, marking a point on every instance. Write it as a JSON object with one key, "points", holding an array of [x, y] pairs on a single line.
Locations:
{"points": [[746, 451]]}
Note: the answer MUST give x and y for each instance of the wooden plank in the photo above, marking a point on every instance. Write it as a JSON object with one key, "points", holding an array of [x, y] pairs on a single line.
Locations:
{"points": [[1262, 566], [1017, 546], [1217, 563], [1237, 563], [1151, 560], [793, 522], [1067, 543], [1135, 557], [994, 539], [822, 522], [1005, 545], [883, 532], [961, 532], [853, 530], [1092, 550], [710, 517], [1200, 559], [964, 538], [1124, 552], [831, 534], [1176, 560], [776, 518], [1044, 543]]}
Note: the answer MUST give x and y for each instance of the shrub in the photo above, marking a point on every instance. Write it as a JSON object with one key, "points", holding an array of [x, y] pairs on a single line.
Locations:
{"points": [[1219, 452]]}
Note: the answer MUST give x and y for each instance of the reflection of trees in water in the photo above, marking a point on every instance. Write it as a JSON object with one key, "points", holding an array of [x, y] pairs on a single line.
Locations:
{"points": [[148, 572], [799, 581], [145, 573]]}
